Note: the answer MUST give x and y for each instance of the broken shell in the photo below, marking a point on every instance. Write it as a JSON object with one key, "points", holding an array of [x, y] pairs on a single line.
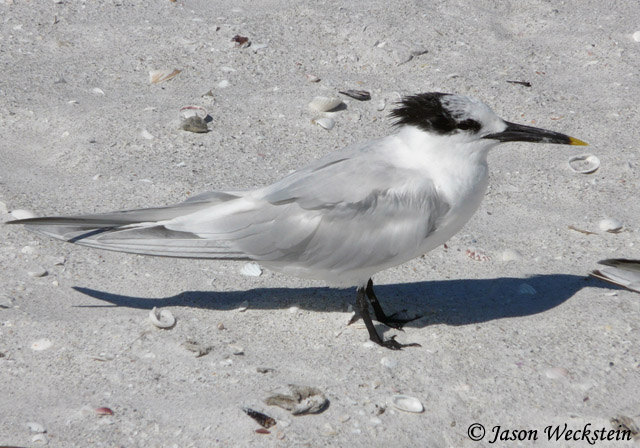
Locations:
{"points": [[162, 318], [584, 163], [251, 269], [158, 76], [312, 78], [36, 428], [407, 404], [611, 225], [194, 124], [360, 95], [324, 104], [325, 123], [190, 111], [303, 400]]}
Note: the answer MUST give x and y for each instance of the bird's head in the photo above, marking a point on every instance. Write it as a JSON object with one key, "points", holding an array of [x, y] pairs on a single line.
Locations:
{"points": [[470, 120]]}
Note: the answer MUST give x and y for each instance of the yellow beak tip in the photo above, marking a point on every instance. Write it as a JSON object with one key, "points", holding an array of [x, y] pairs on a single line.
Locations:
{"points": [[577, 142]]}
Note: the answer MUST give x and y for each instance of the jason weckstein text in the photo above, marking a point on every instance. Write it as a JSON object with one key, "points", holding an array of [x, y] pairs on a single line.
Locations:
{"points": [[560, 432]]}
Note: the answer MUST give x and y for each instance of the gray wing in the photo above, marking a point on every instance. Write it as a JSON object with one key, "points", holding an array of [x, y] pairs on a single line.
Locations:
{"points": [[349, 210]]}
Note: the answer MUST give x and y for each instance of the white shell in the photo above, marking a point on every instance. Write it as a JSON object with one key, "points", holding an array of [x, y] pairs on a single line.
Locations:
{"points": [[511, 255], [325, 122], [162, 318], [584, 163], [611, 225], [324, 104], [36, 428], [157, 76], [41, 344], [636, 36], [556, 373], [407, 404], [191, 111], [251, 269], [23, 214], [312, 78], [527, 289]]}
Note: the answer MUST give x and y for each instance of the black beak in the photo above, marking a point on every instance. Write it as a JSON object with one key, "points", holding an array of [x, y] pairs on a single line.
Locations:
{"points": [[521, 133]]}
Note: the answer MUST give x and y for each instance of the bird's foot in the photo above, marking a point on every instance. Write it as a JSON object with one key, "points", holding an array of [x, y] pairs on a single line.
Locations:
{"points": [[396, 322]]}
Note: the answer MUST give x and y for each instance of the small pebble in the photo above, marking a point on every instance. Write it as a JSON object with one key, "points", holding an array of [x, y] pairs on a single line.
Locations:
{"points": [[381, 105], [221, 326], [407, 404], [37, 272], [223, 84], [28, 250], [389, 363], [511, 255], [236, 350], [41, 344], [556, 373], [147, 135], [194, 124], [294, 309]]}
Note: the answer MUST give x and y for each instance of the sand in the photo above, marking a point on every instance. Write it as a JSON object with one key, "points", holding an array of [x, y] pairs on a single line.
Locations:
{"points": [[515, 337]]}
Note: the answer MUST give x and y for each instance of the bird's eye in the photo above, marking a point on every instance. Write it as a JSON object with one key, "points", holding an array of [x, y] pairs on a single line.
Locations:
{"points": [[469, 124]]}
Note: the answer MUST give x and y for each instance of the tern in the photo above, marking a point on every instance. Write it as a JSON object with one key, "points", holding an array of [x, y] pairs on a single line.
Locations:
{"points": [[341, 219]]}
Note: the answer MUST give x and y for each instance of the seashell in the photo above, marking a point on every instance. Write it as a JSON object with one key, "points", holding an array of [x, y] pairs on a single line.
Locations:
{"points": [[39, 439], [37, 272], [584, 163], [262, 419], [103, 411], [407, 404], [36, 428], [360, 95], [23, 214], [41, 344], [556, 373], [158, 76], [243, 306], [527, 289], [381, 105], [191, 111], [636, 36], [611, 225], [194, 124], [303, 400], [325, 122], [251, 270], [324, 104], [312, 78], [97, 91], [162, 318], [389, 363], [511, 255]]}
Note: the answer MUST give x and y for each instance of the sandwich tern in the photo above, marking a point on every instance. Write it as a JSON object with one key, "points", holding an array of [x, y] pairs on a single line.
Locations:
{"points": [[341, 219]]}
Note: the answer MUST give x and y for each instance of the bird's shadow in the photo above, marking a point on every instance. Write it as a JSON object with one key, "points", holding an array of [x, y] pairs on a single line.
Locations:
{"points": [[451, 302]]}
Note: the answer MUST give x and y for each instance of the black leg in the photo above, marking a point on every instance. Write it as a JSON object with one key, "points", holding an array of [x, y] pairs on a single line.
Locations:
{"points": [[363, 305], [381, 317]]}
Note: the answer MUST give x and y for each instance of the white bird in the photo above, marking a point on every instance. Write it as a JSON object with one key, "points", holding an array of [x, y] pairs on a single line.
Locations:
{"points": [[341, 219]]}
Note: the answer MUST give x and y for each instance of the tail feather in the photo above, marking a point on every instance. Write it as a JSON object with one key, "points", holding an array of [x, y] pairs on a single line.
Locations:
{"points": [[139, 231]]}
